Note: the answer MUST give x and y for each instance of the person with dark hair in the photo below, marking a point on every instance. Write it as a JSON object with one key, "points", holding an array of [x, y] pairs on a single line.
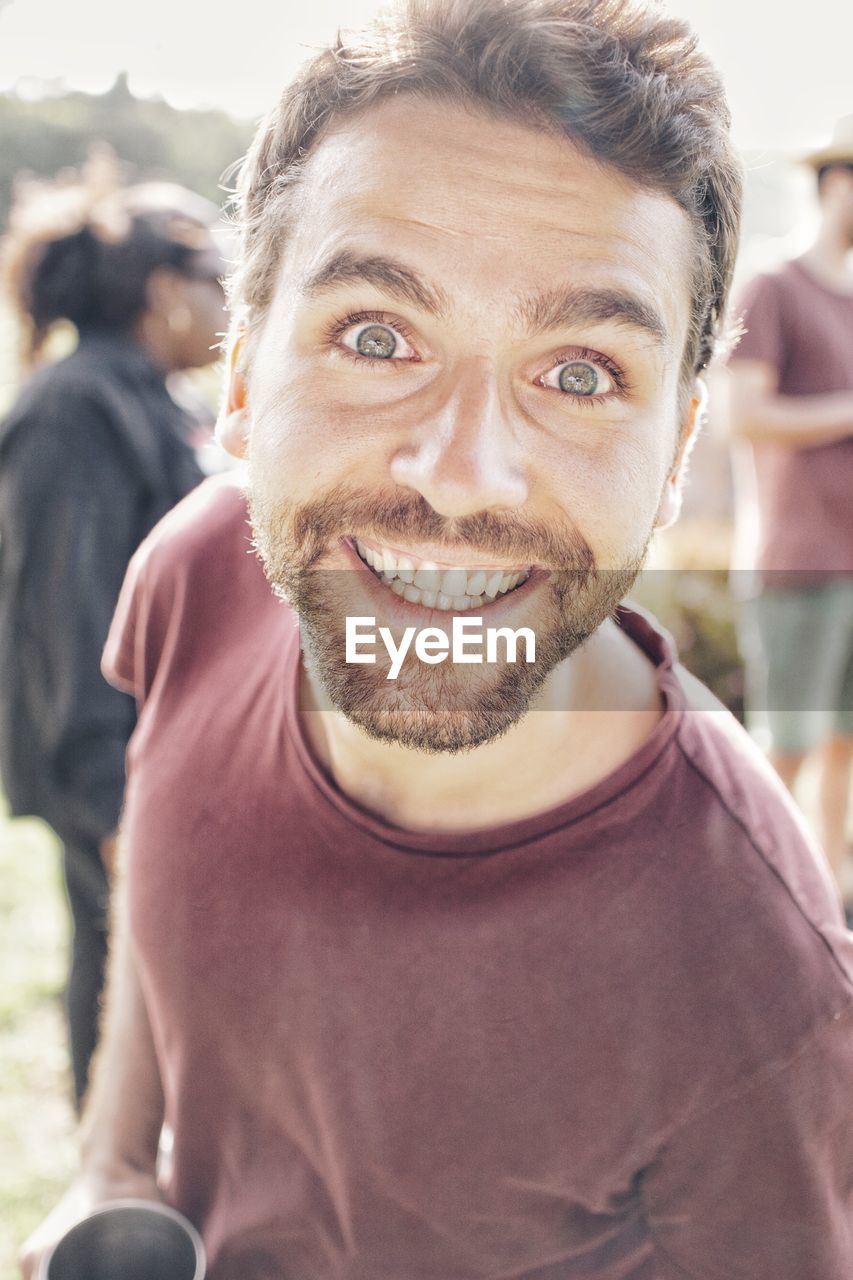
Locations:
{"points": [[792, 419], [93, 452], [440, 956]]}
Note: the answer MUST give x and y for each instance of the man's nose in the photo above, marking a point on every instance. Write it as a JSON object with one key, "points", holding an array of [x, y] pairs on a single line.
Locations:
{"points": [[463, 455]]}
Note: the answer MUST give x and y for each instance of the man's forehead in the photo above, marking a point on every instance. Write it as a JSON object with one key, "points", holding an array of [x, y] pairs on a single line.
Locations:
{"points": [[455, 183], [413, 148]]}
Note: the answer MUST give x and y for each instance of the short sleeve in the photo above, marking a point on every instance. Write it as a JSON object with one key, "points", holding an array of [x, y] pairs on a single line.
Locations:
{"points": [[142, 620], [118, 663], [760, 1187], [763, 317], [151, 613]]}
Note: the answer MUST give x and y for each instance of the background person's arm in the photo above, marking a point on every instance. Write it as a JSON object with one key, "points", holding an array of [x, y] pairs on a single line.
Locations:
{"points": [[758, 413], [121, 1125]]}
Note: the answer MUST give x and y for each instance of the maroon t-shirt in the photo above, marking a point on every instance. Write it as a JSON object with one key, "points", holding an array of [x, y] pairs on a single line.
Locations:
{"points": [[613, 1041], [803, 330]]}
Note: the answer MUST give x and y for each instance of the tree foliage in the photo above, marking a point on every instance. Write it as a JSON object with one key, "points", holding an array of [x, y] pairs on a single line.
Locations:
{"points": [[153, 140]]}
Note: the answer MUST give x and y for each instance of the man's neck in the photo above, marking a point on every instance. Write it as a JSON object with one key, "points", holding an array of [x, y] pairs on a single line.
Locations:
{"points": [[594, 711]]}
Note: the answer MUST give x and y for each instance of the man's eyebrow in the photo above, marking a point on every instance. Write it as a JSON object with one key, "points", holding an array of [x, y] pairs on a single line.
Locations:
{"points": [[390, 277], [558, 308], [561, 308]]}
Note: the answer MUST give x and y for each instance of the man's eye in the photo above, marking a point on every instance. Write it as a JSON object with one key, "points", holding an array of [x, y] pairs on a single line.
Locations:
{"points": [[376, 342], [582, 378]]}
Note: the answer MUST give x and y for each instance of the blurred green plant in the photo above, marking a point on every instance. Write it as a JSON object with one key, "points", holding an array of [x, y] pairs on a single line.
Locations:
{"points": [[154, 140]]}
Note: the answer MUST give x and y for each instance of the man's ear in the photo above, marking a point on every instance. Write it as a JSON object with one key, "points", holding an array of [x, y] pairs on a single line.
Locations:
{"points": [[232, 425], [670, 503]]}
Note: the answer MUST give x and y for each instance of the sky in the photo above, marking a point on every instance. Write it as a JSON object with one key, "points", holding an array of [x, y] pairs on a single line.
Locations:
{"points": [[788, 78]]}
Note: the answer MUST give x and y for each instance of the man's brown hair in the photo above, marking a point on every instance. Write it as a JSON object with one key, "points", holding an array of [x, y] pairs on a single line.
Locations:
{"points": [[626, 83]]}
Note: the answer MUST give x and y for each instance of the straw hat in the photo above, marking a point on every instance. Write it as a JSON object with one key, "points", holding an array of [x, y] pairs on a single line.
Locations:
{"points": [[839, 149]]}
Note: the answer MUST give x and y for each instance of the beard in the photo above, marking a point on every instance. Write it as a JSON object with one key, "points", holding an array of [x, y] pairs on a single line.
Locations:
{"points": [[443, 708]]}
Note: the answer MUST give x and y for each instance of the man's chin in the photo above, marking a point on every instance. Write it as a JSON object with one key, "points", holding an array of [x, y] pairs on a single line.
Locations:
{"points": [[440, 706], [422, 714], [447, 708]]}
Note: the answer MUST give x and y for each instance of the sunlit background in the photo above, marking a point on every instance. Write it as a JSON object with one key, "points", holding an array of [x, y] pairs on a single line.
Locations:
{"points": [[126, 66], [787, 68]]}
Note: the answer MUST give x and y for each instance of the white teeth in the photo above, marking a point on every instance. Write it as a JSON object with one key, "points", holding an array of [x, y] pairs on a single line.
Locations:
{"points": [[493, 585], [437, 588], [453, 582], [428, 579], [405, 569]]}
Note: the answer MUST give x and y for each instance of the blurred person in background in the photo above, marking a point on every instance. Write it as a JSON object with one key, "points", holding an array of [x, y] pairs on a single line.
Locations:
{"points": [[792, 409], [93, 452]]}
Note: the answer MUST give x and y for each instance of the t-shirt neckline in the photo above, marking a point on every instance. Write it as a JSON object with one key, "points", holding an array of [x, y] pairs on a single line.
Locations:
{"points": [[819, 283], [585, 806]]}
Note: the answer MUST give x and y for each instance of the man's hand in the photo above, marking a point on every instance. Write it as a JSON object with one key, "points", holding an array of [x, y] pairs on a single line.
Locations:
{"points": [[87, 1193]]}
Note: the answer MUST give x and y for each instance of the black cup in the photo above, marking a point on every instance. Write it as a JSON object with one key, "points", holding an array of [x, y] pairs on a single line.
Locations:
{"points": [[128, 1240]]}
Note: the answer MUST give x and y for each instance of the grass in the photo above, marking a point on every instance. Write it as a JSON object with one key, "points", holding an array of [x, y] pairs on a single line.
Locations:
{"points": [[37, 1144]]}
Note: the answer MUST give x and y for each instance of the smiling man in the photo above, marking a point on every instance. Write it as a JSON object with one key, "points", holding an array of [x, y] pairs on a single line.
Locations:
{"points": [[486, 327], [509, 968]]}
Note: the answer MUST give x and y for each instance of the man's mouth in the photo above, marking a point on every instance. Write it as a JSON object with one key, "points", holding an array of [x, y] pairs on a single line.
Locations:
{"points": [[436, 586]]}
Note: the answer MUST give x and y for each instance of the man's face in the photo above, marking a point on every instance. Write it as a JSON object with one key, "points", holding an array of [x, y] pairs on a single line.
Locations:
{"points": [[464, 397]]}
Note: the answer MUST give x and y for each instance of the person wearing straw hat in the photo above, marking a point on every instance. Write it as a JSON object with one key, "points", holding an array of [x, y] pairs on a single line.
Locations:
{"points": [[792, 410], [481, 968]]}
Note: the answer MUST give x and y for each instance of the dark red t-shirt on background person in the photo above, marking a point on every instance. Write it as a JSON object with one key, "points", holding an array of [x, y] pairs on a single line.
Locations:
{"points": [[800, 328]]}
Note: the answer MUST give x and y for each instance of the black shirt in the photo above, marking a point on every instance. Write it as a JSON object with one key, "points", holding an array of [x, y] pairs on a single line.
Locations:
{"points": [[92, 454]]}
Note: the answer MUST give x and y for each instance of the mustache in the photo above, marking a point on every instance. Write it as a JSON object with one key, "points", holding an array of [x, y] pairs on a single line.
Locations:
{"points": [[312, 526]]}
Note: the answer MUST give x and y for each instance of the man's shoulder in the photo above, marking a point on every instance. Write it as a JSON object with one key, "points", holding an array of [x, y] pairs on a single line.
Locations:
{"points": [[188, 586], [198, 560], [743, 904], [210, 523], [719, 751], [768, 842]]}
